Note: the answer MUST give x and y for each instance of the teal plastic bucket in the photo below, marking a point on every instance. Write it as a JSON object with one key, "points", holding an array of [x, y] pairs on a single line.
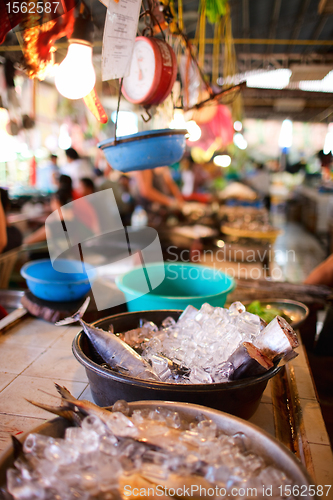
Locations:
{"points": [[183, 285]]}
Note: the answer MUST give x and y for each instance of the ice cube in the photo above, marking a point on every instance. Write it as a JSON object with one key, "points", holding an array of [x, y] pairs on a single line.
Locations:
{"points": [[120, 425], [248, 324], [149, 326], [161, 367], [107, 445], [36, 444], [23, 489], [93, 423], [189, 313], [168, 322], [207, 429], [122, 406], [199, 376], [207, 309], [236, 308], [133, 337]]}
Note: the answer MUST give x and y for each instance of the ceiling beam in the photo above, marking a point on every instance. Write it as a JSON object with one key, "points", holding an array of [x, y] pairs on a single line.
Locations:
{"points": [[324, 114], [274, 22], [269, 113], [318, 29], [304, 5], [246, 22], [237, 41], [323, 97], [325, 6]]}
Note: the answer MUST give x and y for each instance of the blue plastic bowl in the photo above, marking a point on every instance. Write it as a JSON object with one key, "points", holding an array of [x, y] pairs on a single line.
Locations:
{"points": [[183, 285], [47, 284], [150, 149]]}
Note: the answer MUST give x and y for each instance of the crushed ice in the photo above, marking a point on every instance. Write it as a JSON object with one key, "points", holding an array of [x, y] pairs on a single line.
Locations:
{"points": [[98, 459], [201, 341]]}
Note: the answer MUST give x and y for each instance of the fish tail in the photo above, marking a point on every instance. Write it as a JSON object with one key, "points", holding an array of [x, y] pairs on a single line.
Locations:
{"points": [[64, 393], [61, 411], [77, 316], [17, 446]]}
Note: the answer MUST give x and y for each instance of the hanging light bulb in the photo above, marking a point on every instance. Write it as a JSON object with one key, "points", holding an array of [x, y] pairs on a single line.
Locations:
{"points": [[194, 131], [75, 77], [222, 161]]}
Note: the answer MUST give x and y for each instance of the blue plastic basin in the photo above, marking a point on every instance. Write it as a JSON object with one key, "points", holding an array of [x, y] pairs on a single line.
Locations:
{"points": [[150, 149], [184, 284], [48, 284]]}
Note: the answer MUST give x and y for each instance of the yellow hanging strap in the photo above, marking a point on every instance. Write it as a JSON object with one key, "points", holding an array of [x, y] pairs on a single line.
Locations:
{"points": [[230, 65], [202, 34], [180, 15], [229, 62], [216, 51]]}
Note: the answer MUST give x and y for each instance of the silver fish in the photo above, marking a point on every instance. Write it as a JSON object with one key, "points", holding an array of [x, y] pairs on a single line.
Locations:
{"points": [[112, 349]]}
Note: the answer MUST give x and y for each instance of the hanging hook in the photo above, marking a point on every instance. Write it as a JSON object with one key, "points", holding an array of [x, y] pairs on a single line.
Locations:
{"points": [[149, 116]]}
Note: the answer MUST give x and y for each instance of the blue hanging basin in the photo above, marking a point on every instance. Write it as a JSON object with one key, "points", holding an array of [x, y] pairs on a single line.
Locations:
{"points": [[145, 150]]}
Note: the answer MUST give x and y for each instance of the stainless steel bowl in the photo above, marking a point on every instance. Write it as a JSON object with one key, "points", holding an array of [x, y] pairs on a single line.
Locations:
{"points": [[239, 397], [297, 311], [261, 442]]}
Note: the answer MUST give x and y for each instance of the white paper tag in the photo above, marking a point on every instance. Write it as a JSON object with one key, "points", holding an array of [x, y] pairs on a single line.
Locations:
{"points": [[121, 24]]}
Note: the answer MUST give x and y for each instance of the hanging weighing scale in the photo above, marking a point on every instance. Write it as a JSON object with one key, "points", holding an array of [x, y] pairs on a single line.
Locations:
{"points": [[153, 68], [153, 72]]}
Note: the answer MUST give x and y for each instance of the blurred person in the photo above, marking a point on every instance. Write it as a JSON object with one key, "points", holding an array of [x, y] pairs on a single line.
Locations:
{"points": [[323, 275], [81, 215], [156, 186], [3, 230], [326, 164], [86, 187], [259, 180], [76, 168], [48, 174], [187, 177], [120, 185], [10, 236]]}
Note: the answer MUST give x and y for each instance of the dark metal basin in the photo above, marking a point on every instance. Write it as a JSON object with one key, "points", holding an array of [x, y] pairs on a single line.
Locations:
{"points": [[297, 311], [261, 442], [240, 398], [11, 299]]}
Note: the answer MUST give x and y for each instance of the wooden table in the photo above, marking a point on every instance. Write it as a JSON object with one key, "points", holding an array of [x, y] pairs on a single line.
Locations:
{"points": [[35, 354]]}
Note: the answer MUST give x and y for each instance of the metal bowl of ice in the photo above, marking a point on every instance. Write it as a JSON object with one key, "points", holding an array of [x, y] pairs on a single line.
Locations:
{"points": [[238, 397], [232, 454]]}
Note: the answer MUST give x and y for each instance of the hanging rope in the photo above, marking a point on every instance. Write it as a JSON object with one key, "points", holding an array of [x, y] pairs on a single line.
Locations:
{"points": [[216, 52], [202, 34], [118, 106], [230, 65], [180, 15]]}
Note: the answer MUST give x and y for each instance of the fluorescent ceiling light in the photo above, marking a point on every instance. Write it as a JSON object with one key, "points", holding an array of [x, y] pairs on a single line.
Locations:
{"points": [[275, 79], [324, 85]]}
